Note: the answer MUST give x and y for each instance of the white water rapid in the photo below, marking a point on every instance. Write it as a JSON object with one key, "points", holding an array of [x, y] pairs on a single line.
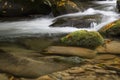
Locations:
{"points": [[41, 25]]}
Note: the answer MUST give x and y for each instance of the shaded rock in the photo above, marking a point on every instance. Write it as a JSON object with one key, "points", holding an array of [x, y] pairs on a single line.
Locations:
{"points": [[24, 7], [83, 38], [26, 67], [15, 50], [35, 43], [118, 5], [111, 47], [74, 51], [77, 21]]}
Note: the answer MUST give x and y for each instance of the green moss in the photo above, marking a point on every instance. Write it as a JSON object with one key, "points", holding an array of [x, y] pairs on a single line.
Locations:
{"points": [[111, 30], [83, 38], [114, 31]]}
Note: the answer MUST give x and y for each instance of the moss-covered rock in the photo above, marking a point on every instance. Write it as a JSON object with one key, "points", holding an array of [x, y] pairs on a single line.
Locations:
{"points": [[60, 7], [83, 38], [111, 29]]}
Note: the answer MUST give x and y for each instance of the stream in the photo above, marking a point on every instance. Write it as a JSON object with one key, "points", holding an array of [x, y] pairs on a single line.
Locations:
{"points": [[40, 25]]}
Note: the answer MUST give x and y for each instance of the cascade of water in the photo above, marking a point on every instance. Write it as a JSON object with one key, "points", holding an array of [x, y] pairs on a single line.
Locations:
{"points": [[41, 25]]}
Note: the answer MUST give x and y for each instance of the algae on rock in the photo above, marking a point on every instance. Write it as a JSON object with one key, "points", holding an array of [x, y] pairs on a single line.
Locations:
{"points": [[83, 38], [111, 29]]}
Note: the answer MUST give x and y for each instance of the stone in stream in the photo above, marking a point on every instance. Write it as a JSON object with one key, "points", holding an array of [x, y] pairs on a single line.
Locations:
{"points": [[26, 67], [111, 30], [83, 38], [30, 7], [73, 51], [77, 21], [60, 7]]}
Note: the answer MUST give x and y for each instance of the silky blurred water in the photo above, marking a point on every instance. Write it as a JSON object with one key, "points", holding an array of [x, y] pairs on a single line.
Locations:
{"points": [[41, 25]]}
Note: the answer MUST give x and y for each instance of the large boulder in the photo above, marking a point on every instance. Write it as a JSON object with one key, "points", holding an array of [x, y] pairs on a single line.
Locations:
{"points": [[29, 7], [60, 7], [23, 7], [83, 38], [111, 30], [29, 67]]}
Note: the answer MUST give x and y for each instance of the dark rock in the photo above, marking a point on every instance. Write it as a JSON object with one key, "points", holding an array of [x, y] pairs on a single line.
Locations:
{"points": [[23, 7], [77, 21], [118, 5]]}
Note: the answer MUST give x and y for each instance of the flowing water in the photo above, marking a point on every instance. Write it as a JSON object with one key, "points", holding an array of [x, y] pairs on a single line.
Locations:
{"points": [[40, 26]]}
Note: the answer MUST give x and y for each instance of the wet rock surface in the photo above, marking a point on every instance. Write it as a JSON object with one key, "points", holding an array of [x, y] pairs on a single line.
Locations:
{"points": [[92, 69], [28, 64], [77, 21]]}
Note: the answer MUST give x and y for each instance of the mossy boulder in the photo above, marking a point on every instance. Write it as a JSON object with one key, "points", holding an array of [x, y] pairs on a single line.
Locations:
{"points": [[60, 7], [111, 29], [83, 38]]}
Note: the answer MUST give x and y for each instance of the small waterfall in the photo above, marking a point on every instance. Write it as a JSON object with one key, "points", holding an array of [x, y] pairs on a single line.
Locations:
{"points": [[41, 25]]}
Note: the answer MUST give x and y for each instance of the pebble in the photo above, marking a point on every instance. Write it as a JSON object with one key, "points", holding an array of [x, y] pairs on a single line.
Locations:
{"points": [[76, 71], [46, 77]]}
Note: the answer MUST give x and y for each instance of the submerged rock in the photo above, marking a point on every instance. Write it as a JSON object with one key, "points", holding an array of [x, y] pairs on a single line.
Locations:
{"points": [[29, 7], [36, 44], [83, 38], [27, 67]]}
